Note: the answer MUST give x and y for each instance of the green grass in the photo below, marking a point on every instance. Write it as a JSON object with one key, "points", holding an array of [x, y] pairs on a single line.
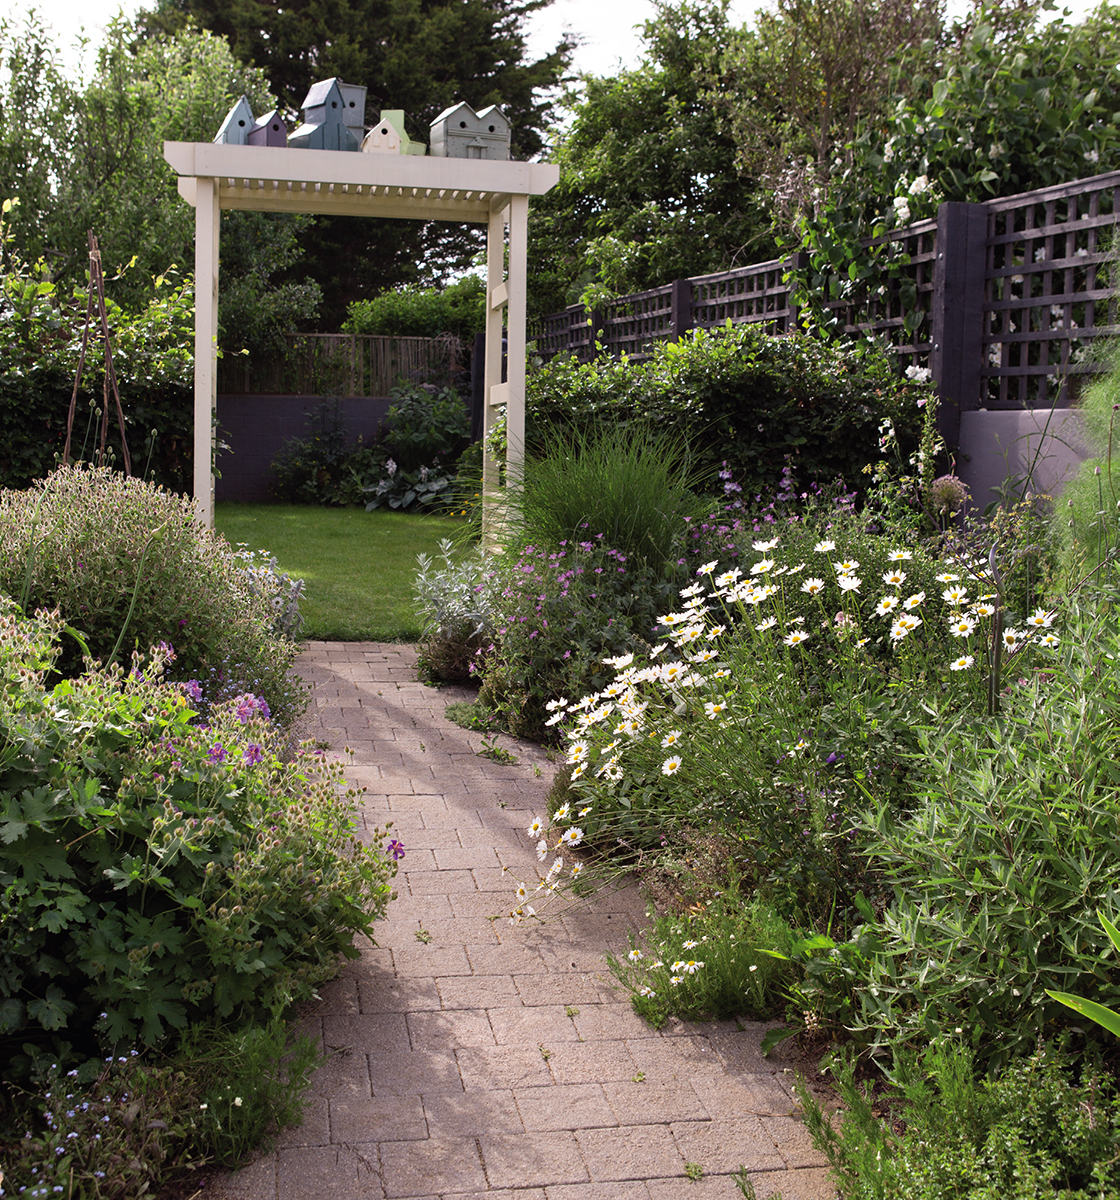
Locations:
{"points": [[358, 565]]}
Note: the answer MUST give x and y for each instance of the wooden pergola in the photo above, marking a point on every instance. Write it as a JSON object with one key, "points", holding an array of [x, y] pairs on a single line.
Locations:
{"points": [[381, 186]]}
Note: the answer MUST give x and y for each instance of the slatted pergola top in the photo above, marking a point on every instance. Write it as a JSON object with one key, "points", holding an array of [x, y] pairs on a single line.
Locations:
{"points": [[381, 186]]}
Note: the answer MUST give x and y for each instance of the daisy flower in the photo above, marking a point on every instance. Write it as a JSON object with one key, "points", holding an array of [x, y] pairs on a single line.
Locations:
{"points": [[670, 739], [762, 547], [578, 770], [825, 547], [691, 944], [947, 577], [862, 642], [692, 966], [983, 610], [584, 811], [646, 991], [620, 663], [693, 589], [728, 577], [903, 626], [849, 583], [769, 623], [671, 765], [762, 566], [536, 827], [542, 850], [577, 870], [962, 664], [1049, 640], [635, 956], [1012, 637], [1040, 619], [553, 705], [955, 595], [795, 637], [676, 979], [885, 605], [671, 619], [813, 586], [577, 752], [712, 709], [912, 602], [571, 837], [961, 626], [708, 567], [894, 578], [899, 556], [847, 566], [562, 813]]}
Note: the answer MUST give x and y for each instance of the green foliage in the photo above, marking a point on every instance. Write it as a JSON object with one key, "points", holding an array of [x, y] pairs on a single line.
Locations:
{"points": [[648, 187], [129, 566], [158, 872], [459, 309], [741, 397], [130, 1125], [631, 486], [426, 423], [1036, 1131], [710, 964], [327, 467], [1108, 1017]]}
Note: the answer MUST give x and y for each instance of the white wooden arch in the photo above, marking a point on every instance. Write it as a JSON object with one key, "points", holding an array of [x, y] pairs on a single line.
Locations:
{"points": [[385, 186]]}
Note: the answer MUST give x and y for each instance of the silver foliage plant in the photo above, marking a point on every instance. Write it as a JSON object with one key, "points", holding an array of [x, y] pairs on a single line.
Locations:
{"points": [[455, 599], [282, 593]]}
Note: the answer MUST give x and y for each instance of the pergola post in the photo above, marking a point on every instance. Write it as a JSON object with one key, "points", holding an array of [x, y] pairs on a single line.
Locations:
{"points": [[495, 392], [207, 226]]}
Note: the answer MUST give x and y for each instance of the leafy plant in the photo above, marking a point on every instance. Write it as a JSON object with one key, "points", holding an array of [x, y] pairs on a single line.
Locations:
{"points": [[459, 308], [129, 567], [158, 872], [1108, 1017], [426, 423]]}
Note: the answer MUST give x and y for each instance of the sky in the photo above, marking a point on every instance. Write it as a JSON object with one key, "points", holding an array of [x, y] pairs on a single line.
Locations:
{"points": [[608, 29]]}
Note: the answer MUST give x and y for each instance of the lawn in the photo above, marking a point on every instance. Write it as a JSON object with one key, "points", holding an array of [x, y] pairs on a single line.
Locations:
{"points": [[358, 565]]}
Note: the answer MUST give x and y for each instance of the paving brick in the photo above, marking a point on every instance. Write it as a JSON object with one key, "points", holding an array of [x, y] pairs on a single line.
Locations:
{"points": [[470, 1114], [618, 1190], [412, 1073], [630, 1152], [449, 1030], [725, 1146], [584, 1062], [431, 1167], [793, 1141], [811, 1184], [649, 1103], [377, 1118], [547, 1023], [431, 961], [564, 1106], [532, 1159], [391, 994], [484, 1068], [328, 1173], [479, 991], [366, 1032]]}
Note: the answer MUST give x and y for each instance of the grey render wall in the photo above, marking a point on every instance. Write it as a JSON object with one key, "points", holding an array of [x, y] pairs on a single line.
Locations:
{"points": [[257, 427]]}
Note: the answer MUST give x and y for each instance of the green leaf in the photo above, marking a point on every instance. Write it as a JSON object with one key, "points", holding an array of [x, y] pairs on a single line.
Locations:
{"points": [[1107, 1017], [774, 1038]]}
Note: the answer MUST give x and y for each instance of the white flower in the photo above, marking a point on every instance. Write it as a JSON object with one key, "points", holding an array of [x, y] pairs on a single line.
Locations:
{"points": [[849, 583], [983, 610], [769, 623], [825, 547], [691, 944], [674, 619], [1012, 637], [553, 705], [646, 991], [962, 664], [542, 850], [813, 586], [920, 186], [919, 374], [709, 567], [901, 210], [584, 811], [795, 637], [676, 979], [912, 602], [561, 814], [894, 578], [885, 605], [577, 752], [903, 626], [712, 709], [762, 547], [1049, 640], [947, 577], [578, 770], [237, 1102], [1040, 619], [577, 870], [728, 577], [621, 662], [536, 828], [671, 765], [847, 566], [955, 595], [635, 956], [762, 566], [670, 739], [961, 626], [692, 966]]}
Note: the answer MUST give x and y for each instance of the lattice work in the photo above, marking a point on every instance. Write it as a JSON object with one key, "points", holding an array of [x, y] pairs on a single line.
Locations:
{"points": [[570, 331], [1047, 293], [749, 295], [881, 311], [632, 323]]}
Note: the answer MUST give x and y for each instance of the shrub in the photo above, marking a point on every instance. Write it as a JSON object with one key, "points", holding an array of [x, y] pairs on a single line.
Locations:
{"points": [[129, 567], [326, 467], [1036, 1131], [740, 395], [459, 308], [426, 424], [455, 607], [630, 486], [158, 872]]}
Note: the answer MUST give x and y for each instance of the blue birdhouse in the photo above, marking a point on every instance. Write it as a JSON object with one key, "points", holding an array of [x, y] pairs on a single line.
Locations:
{"points": [[237, 125], [325, 125]]}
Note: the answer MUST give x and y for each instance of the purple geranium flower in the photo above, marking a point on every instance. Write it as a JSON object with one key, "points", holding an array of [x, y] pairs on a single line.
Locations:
{"points": [[218, 753], [396, 849], [253, 754]]}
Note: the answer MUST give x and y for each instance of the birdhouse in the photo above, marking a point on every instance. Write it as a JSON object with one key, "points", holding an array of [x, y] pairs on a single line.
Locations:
{"points": [[270, 130], [324, 118], [237, 125], [388, 136], [460, 132], [353, 107]]}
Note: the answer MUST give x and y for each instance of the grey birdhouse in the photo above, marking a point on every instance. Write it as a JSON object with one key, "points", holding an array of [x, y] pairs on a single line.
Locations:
{"points": [[270, 130], [388, 136], [325, 111], [237, 125], [460, 132]]}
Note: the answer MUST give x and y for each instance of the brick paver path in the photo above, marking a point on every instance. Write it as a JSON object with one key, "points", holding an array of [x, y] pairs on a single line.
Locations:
{"points": [[494, 1061]]}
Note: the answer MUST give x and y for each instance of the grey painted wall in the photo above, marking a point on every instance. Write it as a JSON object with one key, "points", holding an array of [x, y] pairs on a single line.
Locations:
{"points": [[258, 427], [995, 445]]}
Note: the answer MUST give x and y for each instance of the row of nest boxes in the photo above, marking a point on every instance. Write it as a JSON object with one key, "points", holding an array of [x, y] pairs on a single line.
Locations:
{"points": [[334, 119]]}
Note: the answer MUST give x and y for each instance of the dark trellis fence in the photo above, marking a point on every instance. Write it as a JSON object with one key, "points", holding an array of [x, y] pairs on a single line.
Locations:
{"points": [[1012, 293]]}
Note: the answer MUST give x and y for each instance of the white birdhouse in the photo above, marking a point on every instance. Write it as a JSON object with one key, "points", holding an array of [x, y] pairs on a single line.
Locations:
{"points": [[388, 136], [460, 132], [237, 125]]}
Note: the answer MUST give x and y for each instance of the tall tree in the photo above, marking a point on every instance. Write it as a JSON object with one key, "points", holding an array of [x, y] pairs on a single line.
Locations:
{"points": [[649, 190], [416, 55]]}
